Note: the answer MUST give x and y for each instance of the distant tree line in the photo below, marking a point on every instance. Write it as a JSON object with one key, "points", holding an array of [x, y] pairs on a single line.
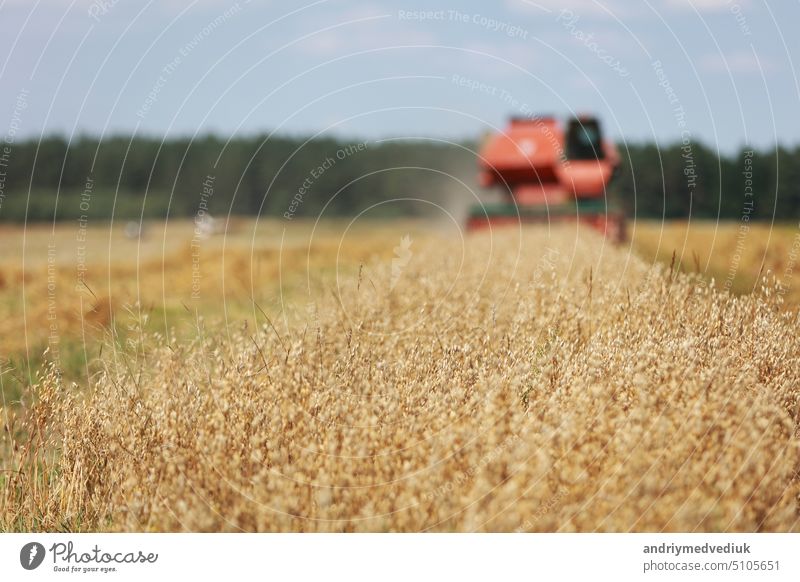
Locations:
{"points": [[293, 177], [679, 181]]}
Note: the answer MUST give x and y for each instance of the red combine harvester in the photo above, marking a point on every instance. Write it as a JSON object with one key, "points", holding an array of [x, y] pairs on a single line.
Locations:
{"points": [[550, 173]]}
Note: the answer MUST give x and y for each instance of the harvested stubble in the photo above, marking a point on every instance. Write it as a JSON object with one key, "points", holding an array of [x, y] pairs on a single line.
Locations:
{"points": [[542, 383]]}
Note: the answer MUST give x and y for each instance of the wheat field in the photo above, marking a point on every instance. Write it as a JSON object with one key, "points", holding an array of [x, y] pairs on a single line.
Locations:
{"points": [[736, 254], [541, 380]]}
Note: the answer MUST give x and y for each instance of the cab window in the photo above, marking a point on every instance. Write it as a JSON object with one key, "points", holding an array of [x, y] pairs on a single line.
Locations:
{"points": [[584, 141]]}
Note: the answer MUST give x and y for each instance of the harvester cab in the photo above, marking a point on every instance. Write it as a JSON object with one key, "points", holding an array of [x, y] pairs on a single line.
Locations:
{"points": [[549, 173]]}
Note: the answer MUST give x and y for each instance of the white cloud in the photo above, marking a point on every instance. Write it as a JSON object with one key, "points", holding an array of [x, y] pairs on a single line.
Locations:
{"points": [[619, 8], [706, 5], [739, 62], [369, 35], [592, 8]]}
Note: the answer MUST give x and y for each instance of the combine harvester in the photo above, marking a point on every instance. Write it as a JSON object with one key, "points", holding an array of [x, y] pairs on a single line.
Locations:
{"points": [[549, 174]]}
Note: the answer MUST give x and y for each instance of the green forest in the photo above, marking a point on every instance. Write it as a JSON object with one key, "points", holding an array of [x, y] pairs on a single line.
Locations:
{"points": [[125, 178]]}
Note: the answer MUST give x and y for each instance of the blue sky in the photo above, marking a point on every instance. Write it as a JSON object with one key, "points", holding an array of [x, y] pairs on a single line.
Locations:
{"points": [[719, 71]]}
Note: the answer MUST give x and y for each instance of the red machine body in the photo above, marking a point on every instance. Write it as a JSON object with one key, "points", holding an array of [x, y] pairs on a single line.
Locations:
{"points": [[549, 172]]}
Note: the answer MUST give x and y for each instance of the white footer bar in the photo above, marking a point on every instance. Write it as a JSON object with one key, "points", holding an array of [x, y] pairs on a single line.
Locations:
{"points": [[371, 557]]}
